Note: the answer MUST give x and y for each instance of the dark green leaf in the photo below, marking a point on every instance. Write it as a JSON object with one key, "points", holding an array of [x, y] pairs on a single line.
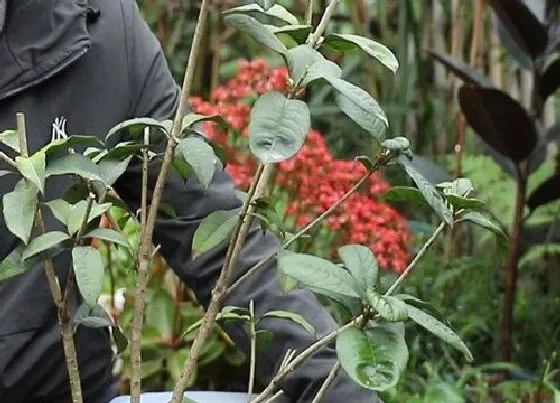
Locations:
{"points": [[33, 169], [11, 139], [375, 357], [424, 306], [405, 194], [19, 209], [159, 313], [65, 143], [213, 230], [362, 265], [88, 268], [110, 169], [77, 213], [499, 120], [294, 317], [462, 70], [483, 221], [523, 26], [92, 316], [123, 150], [318, 275], [298, 33], [73, 164], [390, 308], [359, 106], [192, 119], [136, 126], [278, 127], [256, 30], [120, 339], [348, 43], [44, 242], [432, 196], [460, 203], [168, 210], [109, 235], [550, 80], [12, 265], [200, 156], [439, 329], [264, 339], [547, 192]]}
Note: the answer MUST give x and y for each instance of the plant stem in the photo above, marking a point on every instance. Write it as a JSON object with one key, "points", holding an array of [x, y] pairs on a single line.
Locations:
{"points": [[329, 12], [147, 233], [8, 160], [56, 293], [276, 396], [298, 359], [506, 326], [309, 12], [332, 375], [253, 336], [416, 259], [302, 232], [219, 292], [144, 201]]}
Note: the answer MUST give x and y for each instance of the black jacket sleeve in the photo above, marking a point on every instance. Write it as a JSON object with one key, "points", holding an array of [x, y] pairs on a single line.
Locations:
{"points": [[156, 96]]}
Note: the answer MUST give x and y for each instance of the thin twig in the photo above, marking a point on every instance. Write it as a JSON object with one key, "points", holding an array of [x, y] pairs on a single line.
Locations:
{"points": [[416, 259], [8, 160], [276, 396], [148, 230], [329, 12], [309, 12], [297, 360], [144, 202], [253, 362], [328, 381]]}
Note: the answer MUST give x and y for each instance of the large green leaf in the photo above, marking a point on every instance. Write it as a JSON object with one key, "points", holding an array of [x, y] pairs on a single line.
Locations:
{"points": [[278, 127], [159, 313], [19, 209], [74, 164], [12, 265], [307, 65], [318, 275], [111, 169], [200, 156], [439, 329], [390, 308], [109, 235], [213, 230], [432, 196], [362, 265], [193, 119], [482, 221], [359, 106], [33, 169], [256, 30], [375, 357], [88, 268], [11, 139], [405, 194], [77, 213], [348, 42], [44, 242], [60, 209], [294, 317], [92, 316]]}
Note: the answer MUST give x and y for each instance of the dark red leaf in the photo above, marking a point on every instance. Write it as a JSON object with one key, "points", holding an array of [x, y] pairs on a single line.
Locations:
{"points": [[499, 120], [547, 192], [550, 80], [461, 69], [522, 24]]}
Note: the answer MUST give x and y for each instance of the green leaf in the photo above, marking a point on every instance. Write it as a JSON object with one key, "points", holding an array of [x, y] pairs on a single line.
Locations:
{"points": [[264, 339], [278, 127], [44, 242], [318, 275], [111, 169], [256, 30], [192, 119], [88, 268], [359, 106], [439, 329], [348, 43], [33, 169], [159, 313], [109, 235], [136, 126], [77, 214], [92, 316], [60, 209], [213, 230], [396, 144], [375, 357], [200, 156], [432, 196], [276, 11], [300, 59], [11, 139], [228, 313], [73, 164], [12, 265], [294, 317], [424, 306], [266, 4], [19, 209], [168, 210], [65, 143], [390, 308], [362, 265], [405, 194], [122, 150], [460, 203], [484, 222], [460, 187], [298, 33]]}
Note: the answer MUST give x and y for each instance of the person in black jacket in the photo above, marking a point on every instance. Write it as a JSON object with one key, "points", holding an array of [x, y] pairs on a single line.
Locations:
{"points": [[96, 64]]}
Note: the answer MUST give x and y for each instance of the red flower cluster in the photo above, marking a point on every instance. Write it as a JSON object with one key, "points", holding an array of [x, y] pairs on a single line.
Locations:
{"points": [[314, 178]]}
